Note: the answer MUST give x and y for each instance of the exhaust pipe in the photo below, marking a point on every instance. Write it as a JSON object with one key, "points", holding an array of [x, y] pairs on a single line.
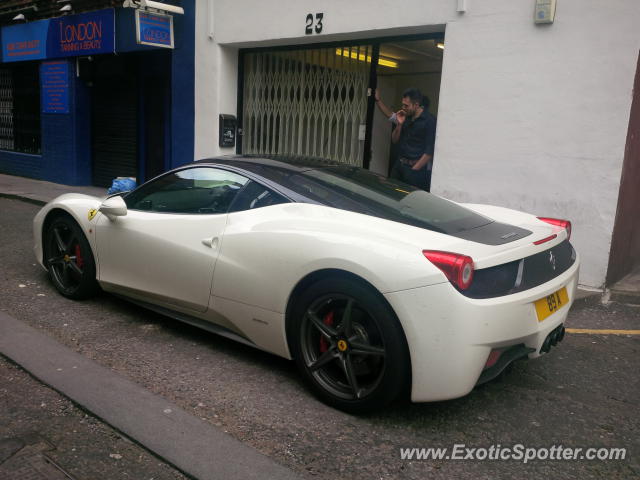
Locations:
{"points": [[561, 333], [556, 336]]}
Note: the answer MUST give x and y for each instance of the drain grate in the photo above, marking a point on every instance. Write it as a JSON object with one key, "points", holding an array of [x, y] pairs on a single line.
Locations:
{"points": [[21, 459]]}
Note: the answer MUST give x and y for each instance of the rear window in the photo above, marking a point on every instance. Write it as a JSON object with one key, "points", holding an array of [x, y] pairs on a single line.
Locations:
{"points": [[359, 190]]}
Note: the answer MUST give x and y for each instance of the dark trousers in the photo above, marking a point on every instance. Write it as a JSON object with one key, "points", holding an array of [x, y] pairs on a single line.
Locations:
{"points": [[418, 178]]}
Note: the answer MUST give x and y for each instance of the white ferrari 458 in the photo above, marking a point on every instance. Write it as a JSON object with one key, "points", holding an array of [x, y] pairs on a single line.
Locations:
{"points": [[374, 288]]}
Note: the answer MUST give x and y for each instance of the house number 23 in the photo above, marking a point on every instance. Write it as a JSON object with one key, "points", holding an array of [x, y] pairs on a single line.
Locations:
{"points": [[310, 27]]}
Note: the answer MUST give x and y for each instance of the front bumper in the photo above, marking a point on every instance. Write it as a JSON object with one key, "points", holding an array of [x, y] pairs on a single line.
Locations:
{"points": [[450, 336]]}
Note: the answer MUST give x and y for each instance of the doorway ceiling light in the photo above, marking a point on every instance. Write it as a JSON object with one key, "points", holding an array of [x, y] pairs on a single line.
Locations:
{"points": [[385, 62], [440, 45]]}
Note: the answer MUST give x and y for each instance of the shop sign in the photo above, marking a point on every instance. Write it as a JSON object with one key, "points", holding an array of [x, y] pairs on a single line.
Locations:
{"points": [[73, 35], [154, 29], [54, 80], [25, 42], [84, 34]]}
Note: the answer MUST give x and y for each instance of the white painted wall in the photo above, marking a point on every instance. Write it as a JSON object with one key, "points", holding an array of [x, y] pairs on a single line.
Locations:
{"points": [[530, 117], [216, 82], [535, 117]]}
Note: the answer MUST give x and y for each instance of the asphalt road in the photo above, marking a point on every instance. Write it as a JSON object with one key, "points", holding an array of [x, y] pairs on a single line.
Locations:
{"points": [[583, 394]]}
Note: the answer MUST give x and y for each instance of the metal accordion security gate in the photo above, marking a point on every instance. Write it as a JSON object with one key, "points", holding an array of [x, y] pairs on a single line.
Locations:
{"points": [[307, 102], [20, 108], [6, 110]]}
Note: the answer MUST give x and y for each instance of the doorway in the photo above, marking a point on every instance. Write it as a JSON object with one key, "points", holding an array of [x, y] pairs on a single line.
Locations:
{"points": [[130, 115], [624, 256], [402, 65], [317, 101], [114, 119]]}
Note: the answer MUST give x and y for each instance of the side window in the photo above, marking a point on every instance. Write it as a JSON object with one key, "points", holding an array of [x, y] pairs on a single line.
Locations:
{"points": [[203, 190], [254, 196]]}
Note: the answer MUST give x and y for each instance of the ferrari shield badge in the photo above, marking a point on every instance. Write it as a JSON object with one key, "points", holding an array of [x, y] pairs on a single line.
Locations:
{"points": [[92, 213]]}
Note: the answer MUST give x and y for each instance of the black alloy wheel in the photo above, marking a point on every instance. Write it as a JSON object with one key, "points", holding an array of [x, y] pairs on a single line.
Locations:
{"points": [[69, 259], [350, 346]]}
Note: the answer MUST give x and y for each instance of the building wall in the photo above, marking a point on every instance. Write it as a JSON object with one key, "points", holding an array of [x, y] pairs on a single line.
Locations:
{"points": [[216, 80], [535, 117], [532, 117], [64, 140], [183, 97]]}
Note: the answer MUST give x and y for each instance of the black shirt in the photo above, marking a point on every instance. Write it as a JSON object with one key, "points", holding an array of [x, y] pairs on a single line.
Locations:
{"points": [[417, 136]]}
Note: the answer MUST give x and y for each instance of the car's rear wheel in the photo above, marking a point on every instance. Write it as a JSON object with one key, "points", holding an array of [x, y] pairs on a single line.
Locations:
{"points": [[69, 260], [349, 345]]}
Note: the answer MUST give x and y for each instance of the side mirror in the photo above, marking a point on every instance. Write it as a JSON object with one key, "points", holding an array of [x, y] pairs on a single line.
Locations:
{"points": [[114, 207]]}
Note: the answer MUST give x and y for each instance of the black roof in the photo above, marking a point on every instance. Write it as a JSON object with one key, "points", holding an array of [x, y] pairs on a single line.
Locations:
{"points": [[256, 163]]}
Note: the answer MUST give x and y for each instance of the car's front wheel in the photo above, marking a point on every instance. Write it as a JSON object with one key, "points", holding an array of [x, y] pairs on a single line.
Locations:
{"points": [[349, 345], [69, 260]]}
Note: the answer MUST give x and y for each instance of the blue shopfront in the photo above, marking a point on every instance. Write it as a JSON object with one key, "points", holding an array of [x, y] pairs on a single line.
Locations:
{"points": [[89, 97]]}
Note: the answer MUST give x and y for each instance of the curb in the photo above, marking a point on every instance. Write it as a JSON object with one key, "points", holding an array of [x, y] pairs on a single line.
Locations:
{"points": [[22, 198], [626, 298]]}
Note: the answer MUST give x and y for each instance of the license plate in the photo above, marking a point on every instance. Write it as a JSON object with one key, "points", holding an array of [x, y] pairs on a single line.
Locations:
{"points": [[551, 303]]}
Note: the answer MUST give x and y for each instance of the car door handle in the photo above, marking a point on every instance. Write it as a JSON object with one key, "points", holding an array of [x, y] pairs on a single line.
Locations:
{"points": [[210, 242]]}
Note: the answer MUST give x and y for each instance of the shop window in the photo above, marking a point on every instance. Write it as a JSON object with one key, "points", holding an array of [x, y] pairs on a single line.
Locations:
{"points": [[20, 108]]}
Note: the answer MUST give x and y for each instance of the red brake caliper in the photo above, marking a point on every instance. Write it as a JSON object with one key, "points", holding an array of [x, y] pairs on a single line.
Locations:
{"points": [[327, 320], [79, 259]]}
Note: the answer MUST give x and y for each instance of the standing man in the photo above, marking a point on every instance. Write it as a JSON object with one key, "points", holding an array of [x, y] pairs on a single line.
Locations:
{"points": [[415, 135]]}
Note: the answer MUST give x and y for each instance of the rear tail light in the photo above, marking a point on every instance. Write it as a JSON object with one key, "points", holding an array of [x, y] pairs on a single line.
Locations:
{"points": [[457, 268], [566, 224]]}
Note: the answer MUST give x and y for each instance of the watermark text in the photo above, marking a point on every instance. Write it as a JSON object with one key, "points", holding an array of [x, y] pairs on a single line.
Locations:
{"points": [[517, 452]]}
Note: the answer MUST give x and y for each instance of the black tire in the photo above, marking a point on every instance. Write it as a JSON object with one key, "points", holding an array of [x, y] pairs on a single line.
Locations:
{"points": [[349, 345], [69, 259]]}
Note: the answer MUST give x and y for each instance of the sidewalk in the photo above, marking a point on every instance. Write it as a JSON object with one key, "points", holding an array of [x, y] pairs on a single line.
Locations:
{"points": [[627, 290], [40, 192]]}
